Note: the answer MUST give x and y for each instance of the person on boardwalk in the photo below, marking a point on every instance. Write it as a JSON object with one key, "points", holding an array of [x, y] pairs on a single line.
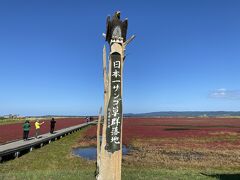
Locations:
{"points": [[37, 126], [87, 119], [91, 119], [52, 125], [26, 129]]}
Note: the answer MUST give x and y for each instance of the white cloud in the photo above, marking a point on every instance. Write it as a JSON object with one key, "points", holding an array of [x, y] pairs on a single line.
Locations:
{"points": [[223, 93]]}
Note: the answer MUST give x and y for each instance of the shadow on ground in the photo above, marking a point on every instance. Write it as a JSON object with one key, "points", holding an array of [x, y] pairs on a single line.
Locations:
{"points": [[224, 176]]}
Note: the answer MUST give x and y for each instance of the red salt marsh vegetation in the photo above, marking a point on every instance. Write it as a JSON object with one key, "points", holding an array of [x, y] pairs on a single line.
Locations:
{"points": [[12, 132], [134, 128], [160, 148], [204, 144]]}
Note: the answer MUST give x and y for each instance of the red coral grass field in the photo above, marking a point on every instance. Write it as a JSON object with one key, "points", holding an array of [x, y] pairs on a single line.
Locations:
{"points": [[12, 132], [134, 128], [178, 142]]}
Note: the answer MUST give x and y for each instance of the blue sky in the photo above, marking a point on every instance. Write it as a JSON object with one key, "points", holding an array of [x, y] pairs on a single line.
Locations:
{"points": [[186, 56]]}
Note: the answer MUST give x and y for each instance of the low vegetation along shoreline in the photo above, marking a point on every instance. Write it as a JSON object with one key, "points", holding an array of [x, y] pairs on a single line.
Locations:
{"points": [[202, 148], [160, 149], [53, 161]]}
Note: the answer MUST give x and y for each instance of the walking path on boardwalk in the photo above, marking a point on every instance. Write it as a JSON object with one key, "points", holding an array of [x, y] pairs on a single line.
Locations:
{"points": [[17, 148]]}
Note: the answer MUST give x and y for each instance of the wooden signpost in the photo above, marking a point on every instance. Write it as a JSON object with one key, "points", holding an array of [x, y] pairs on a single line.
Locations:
{"points": [[109, 157]]}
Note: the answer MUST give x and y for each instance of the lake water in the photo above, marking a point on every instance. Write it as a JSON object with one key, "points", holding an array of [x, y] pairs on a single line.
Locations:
{"points": [[90, 153]]}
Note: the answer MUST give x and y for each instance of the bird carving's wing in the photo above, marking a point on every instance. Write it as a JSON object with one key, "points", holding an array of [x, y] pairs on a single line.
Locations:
{"points": [[124, 29], [108, 29]]}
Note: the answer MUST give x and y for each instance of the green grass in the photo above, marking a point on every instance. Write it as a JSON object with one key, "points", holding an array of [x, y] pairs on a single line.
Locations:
{"points": [[16, 120], [55, 162], [49, 175], [22, 120], [162, 174], [11, 121]]}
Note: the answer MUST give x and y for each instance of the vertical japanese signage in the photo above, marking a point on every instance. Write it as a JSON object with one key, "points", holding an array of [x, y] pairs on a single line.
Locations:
{"points": [[114, 109]]}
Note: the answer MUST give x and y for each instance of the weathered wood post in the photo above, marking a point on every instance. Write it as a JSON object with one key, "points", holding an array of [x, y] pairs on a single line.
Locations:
{"points": [[110, 158]]}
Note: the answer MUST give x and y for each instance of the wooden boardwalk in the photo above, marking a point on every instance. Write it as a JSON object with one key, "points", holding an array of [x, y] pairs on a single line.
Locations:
{"points": [[18, 148]]}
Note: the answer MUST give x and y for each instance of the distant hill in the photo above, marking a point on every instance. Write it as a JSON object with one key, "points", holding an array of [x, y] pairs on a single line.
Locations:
{"points": [[160, 114], [186, 114]]}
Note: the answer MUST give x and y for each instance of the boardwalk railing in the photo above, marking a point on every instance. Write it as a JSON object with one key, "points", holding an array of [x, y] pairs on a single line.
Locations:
{"points": [[18, 148]]}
